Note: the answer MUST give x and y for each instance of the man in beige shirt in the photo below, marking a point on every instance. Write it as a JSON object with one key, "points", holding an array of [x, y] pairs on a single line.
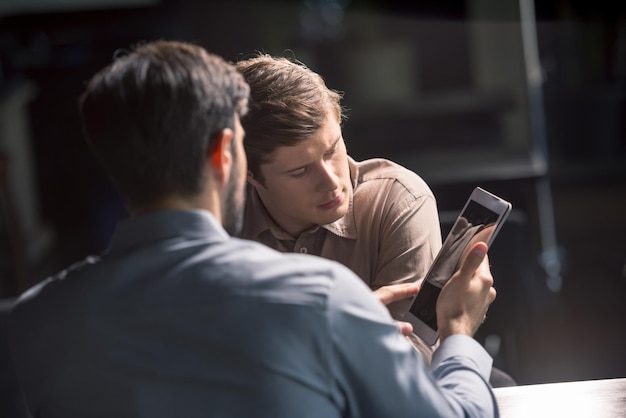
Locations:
{"points": [[305, 194]]}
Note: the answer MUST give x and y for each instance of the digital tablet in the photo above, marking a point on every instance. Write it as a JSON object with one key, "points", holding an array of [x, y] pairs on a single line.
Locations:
{"points": [[480, 220]]}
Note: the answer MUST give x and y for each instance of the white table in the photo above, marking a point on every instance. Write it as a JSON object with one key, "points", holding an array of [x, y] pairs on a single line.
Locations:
{"points": [[605, 398]]}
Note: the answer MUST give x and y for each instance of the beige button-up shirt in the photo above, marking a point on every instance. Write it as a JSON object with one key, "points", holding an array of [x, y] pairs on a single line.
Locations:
{"points": [[391, 233]]}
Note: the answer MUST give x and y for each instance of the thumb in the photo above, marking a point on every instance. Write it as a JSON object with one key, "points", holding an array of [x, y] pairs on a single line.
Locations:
{"points": [[473, 259], [405, 328]]}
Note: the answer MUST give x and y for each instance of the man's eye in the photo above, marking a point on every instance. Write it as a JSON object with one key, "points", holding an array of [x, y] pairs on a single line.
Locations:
{"points": [[298, 173]]}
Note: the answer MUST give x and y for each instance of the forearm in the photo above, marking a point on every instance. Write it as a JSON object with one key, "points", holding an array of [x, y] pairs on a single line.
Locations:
{"points": [[462, 367], [380, 374]]}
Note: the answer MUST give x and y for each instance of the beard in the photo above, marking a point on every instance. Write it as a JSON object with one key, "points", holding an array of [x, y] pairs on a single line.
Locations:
{"points": [[233, 208]]}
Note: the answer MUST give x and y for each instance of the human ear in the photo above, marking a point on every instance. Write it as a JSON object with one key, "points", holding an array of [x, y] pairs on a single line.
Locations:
{"points": [[221, 157], [252, 180]]}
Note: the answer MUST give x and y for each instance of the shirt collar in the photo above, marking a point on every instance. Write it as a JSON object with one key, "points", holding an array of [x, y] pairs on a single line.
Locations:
{"points": [[257, 219], [137, 231]]}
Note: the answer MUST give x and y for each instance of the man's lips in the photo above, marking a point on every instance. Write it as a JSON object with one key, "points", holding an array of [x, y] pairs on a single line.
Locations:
{"points": [[333, 203]]}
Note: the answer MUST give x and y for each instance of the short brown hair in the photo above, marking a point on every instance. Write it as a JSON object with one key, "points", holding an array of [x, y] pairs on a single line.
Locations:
{"points": [[288, 103], [151, 116]]}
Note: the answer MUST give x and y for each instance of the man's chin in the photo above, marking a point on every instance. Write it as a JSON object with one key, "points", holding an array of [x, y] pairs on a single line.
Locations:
{"points": [[330, 217]]}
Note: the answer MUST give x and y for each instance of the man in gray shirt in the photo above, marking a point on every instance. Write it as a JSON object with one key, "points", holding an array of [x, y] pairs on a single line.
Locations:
{"points": [[178, 318]]}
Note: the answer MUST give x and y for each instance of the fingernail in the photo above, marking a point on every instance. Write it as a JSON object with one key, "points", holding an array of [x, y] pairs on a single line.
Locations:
{"points": [[480, 251]]}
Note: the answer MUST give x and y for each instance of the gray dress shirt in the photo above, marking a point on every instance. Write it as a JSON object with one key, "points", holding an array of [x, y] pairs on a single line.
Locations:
{"points": [[177, 319]]}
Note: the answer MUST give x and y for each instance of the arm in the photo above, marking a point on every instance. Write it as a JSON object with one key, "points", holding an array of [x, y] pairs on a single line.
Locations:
{"points": [[378, 373]]}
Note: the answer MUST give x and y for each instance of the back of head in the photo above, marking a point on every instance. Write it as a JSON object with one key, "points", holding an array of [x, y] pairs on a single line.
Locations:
{"points": [[150, 117], [288, 103]]}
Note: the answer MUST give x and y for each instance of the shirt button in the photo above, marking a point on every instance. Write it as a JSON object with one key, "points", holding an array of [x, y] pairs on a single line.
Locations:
{"points": [[303, 250]]}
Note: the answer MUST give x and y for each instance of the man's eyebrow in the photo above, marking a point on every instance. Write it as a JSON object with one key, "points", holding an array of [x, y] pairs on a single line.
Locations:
{"points": [[332, 147]]}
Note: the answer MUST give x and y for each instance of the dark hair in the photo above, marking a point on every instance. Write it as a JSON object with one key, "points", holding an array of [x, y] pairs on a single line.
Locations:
{"points": [[151, 115], [288, 103]]}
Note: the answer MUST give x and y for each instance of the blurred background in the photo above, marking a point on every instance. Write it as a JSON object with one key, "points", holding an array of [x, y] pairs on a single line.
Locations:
{"points": [[525, 99]]}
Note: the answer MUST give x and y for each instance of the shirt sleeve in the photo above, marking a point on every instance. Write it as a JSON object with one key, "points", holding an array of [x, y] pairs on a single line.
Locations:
{"points": [[410, 238], [379, 374]]}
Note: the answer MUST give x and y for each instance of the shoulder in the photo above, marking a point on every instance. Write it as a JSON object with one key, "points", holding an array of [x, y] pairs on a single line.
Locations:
{"points": [[261, 260], [388, 186], [45, 294], [260, 270], [376, 171]]}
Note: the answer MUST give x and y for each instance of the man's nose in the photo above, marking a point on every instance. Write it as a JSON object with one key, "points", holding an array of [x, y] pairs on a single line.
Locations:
{"points": [[327, 180]]}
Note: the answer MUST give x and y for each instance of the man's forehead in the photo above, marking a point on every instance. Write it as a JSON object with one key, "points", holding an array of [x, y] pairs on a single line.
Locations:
{"points": [[288, 155], [321, 141]]}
